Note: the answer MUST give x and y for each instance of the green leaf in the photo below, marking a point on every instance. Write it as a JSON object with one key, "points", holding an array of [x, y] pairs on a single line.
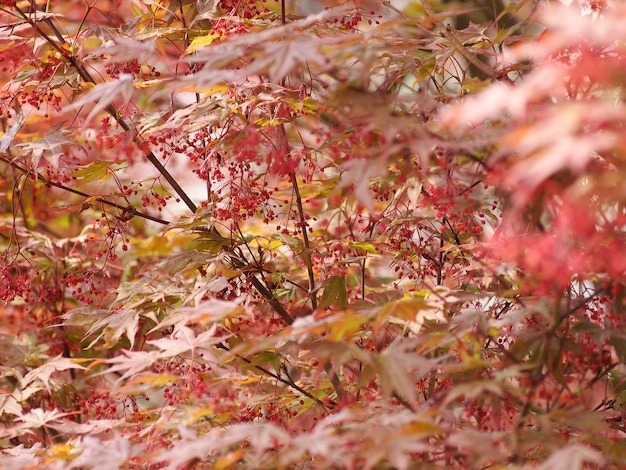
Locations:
{"points": [[95, 171], [262, 359], [619, 344], [334, 291], [365, 246]]}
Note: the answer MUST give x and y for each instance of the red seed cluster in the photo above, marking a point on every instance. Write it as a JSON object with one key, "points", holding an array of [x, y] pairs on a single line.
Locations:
{"points": [[15, 281], [133, 67]]}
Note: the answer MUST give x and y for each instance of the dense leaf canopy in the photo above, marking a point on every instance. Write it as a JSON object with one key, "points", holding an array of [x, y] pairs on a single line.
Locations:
{"points": [[304, 234]]}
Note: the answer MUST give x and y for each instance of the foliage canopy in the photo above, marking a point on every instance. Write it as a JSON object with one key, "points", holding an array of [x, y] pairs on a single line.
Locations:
{"points": [[246, 234]]}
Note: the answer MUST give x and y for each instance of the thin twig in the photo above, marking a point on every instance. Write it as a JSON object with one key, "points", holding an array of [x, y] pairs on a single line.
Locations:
{"points": [[306, 252], [290, 383], [127, 209], [274, 302]]}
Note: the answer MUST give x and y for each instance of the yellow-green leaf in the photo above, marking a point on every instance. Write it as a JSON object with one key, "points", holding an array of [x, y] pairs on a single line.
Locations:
{"points": [[201, 41], [365, 246], [334, 291]]}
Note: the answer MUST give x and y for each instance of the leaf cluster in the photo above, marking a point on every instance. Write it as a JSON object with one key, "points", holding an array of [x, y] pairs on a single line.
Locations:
{"points": [[263, 235]]}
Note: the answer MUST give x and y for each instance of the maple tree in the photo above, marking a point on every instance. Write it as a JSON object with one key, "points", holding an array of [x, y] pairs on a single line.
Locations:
{"points": [[268, 234]]}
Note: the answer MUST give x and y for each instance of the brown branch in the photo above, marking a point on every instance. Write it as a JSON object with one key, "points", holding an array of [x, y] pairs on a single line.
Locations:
{"points": [[283, 13], [38, 176], [273, 301], [335, 382], [290, 383], [306, 252]]}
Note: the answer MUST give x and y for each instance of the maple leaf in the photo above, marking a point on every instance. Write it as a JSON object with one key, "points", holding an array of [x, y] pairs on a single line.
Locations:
{"points": [[110, 454], [476, 389], [334, 291], [52, 146], [21, 457], [207, 9], [95, 426], [15, 351], [276, 56], [124, 48], [500, 98], [183, 339], [131, 363], [572, 457], [574, 25], [321, 440], [414, 309], [261, 436], [400, 452], [9, 404], [38, 418], [43, 373], [400, 366], [125, 321], [471, 439], [398, 436], [103, 95], [201, 41], [12, 131], [203, 312], [545, 154], [357, 172], [289, 55]]}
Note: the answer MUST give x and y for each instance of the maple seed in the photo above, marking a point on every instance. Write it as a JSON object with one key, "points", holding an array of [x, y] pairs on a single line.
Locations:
{"points": [[252, 233]]}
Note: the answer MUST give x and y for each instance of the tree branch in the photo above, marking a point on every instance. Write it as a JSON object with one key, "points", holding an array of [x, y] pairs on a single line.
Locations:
{"points": [[38, 176], [112, 111], [289, 383]]}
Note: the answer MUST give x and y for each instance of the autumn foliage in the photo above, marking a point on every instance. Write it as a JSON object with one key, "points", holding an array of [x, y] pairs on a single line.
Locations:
{"points": [[262, 234]]}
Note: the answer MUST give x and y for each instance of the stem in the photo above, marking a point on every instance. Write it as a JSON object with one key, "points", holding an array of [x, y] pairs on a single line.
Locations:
{"points": [[17, 196], [276, 305], [400, 13], [440, 263], [128, 209], [289, 383], [335, 382], [362, 274], [306, 253], [240, 263], [153, 159], [432, 380]]}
